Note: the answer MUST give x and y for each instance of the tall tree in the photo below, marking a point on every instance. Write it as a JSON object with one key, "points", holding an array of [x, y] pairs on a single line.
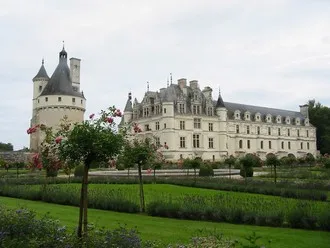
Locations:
{"points": [[319, 116]]}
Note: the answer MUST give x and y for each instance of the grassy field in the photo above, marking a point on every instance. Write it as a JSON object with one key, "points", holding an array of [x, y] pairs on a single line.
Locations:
{"points": [[171, 230]]}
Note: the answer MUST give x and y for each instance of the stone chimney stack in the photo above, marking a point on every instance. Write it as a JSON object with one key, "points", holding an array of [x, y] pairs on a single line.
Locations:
{"points": [[193, 84], [182, 83]]}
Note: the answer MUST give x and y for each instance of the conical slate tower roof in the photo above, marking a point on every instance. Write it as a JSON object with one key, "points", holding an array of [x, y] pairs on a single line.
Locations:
{"points": [[41, 73], [60, 83], [220, 103], [128, 107]]}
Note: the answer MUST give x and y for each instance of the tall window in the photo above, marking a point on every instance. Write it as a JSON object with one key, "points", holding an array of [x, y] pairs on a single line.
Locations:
{"points": [[209, 111], [73, 100], [248, 144], [288, 132], [210, 127], [307, 133], [59, 99], [240, 144], [248, 129], [164, 125], [196, 109], [258, 130], [182, 142], [164, 110], [196, 140], [157, 125], [237, 128], [157, 140], [157, 110], [182, 125], [197, 123], [301, 145], [181, 108], [289, 145], [307, 145], [269, 131], [40, 88], [270, 144], [282, 144], [298, 132], [211, 143], [262, 144], [46, 99], [279, 131]]}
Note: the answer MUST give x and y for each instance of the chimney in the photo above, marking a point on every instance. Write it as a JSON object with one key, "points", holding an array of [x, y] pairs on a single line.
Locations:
{"points": [[182, 83], [304, 110], [193, 84], [207, 91]]}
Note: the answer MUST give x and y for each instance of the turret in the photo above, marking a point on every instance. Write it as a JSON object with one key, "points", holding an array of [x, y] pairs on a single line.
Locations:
{"points": [[221, 108], [128, 111], [39, 83]]}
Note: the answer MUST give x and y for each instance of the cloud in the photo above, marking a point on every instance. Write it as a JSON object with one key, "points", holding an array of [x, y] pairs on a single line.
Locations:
{"points": [[269, 53]]}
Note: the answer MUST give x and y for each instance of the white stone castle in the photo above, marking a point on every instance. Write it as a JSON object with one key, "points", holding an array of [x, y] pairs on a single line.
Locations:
{"points": [[188, 123], [56, 97]]}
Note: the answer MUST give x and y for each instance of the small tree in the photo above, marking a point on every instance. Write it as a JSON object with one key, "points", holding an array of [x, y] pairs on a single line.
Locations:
{"points": [[310, 160], [247, 163], [274, 162], [92, 141], [195, 164], [230, 162]]}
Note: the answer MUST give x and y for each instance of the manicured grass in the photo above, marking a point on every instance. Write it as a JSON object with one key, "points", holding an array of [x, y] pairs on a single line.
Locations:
{"points": [[171, 230]]}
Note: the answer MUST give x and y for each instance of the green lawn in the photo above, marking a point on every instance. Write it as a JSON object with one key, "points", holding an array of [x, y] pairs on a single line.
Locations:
{"points": [[171, 230]]}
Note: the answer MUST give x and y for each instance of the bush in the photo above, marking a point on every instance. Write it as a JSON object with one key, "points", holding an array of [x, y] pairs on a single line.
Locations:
{"points": [[327, 163], [246, 171], [206, 171], [51, 173], [79, 171]]}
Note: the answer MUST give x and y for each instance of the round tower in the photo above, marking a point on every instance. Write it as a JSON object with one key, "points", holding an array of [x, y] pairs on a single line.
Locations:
{"points": [[221, 111], [57, 100]]}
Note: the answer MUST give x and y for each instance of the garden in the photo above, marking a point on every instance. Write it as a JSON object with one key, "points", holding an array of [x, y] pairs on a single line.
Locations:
{"points": [[290, 193]]}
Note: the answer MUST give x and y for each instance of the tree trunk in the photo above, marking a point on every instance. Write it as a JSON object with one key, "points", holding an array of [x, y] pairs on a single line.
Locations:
{"points": [[142, 205], [154, 175], [85, 198], [81, 209]]}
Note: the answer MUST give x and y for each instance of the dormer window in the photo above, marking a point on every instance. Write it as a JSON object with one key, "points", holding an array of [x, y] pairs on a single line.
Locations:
{"points": [[306, 122], [297, 121], [196, 109], [257, 117], [237, 115], [268, 118], [278, 119], [247, 116], [210, 111], [287, 120], [181, 108], [195, 97]]}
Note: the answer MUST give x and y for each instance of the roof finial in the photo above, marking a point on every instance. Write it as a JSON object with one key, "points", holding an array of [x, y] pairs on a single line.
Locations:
{"points": [[167, 81], [63, 44], [171, 78], [129, 96], [43, 61], [147, 86], [219, 91]]}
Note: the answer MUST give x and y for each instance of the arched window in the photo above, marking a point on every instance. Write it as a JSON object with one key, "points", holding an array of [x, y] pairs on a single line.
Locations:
{"points": [[261, 144]]}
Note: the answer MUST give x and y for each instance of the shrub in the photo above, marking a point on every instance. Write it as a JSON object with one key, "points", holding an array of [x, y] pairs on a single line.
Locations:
{"points": [[246, 172], [324, 220], [327, 163], [301, 217], [206, 171], [79, 171]]}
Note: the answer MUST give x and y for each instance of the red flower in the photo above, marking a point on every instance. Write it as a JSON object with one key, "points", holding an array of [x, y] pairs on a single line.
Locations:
{"points": [[58, 139], [110, 120], [91, 116]]}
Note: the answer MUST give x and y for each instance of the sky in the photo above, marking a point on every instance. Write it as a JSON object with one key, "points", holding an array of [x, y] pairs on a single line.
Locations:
{"points": [[273, 53]]}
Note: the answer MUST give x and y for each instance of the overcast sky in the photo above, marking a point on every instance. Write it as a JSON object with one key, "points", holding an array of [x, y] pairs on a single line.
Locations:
{"points": [[260, 52]]}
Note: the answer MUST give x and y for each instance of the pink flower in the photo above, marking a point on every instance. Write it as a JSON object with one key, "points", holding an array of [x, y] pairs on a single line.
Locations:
{"points": [[58, 139], [110, 120], [91, 116]]}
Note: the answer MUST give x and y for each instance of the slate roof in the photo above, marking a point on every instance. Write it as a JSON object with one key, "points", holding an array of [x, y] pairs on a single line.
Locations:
{"points": [[220, 103], [231, 107], [128, 107], [60, 82], [41, 73]]}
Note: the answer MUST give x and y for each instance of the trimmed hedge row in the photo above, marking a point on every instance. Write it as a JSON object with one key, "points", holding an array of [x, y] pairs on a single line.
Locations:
{"points": [[306, 191], [225, 207]]}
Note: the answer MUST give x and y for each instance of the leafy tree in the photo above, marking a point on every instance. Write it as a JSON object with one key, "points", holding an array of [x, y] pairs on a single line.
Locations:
{"points": [[6, 147], [4, 164], [319, 116], [92, 141], [272, 160], [247, 163], [139, 152], [309, 158], [230, 162]]}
